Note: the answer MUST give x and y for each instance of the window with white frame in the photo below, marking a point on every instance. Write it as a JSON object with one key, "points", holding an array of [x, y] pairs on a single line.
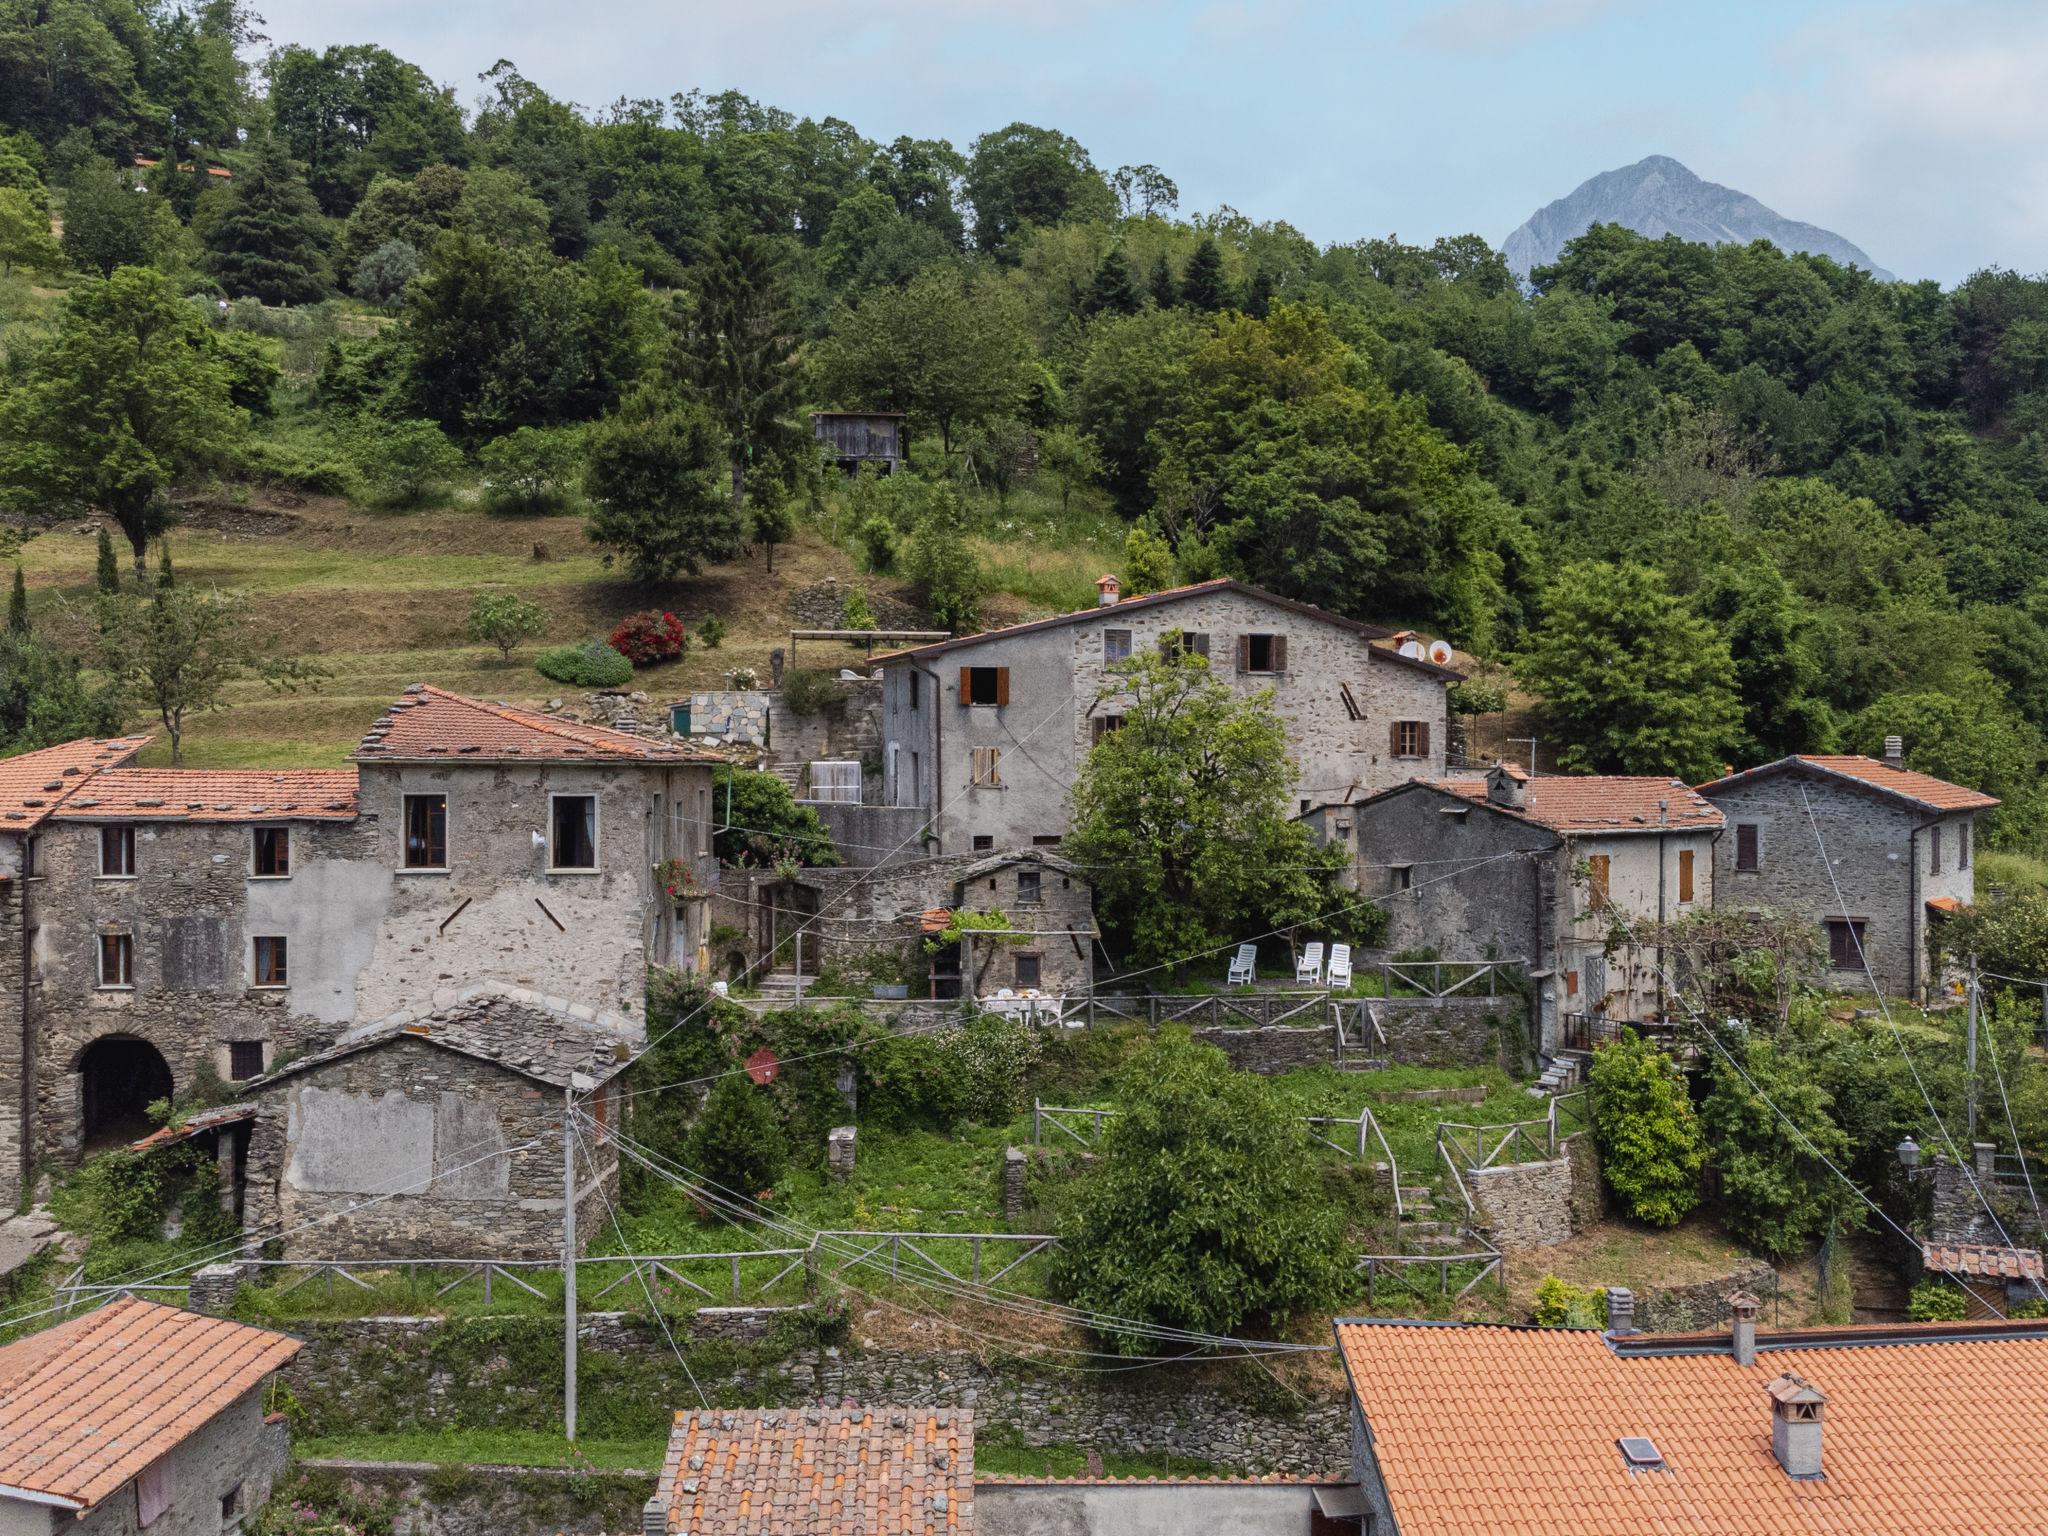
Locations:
{"points": [[572, 834]]}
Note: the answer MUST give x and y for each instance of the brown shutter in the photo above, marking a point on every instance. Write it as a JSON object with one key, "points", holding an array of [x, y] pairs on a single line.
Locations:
{"points": [[1599, 868], [1002, 686], [1279, 653], [966, 686], [1745, 845], [1394, 738], [1685, 874], [1422, 739], [1244, 653]]}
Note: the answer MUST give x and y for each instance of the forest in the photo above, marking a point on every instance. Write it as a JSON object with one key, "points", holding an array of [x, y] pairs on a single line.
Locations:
{"points": [[1707, 505]]}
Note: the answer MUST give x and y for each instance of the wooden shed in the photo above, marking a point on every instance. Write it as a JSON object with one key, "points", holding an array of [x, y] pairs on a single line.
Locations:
{"points": [[854, 438]]}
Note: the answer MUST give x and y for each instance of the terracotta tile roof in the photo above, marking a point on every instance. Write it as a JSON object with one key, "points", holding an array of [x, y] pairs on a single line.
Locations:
{"points": [[88, 1404], [215, 794], [431, 723], [1570, 802], [828, 1471], [1944, 904], [1921, 789], [34, 784], [1986, 1259], [1514, 1430]]}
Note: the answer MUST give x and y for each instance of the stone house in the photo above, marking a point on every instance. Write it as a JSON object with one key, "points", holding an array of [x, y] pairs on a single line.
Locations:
{"points": [[1869, 852], [1541, 870], [139, 1417], [986, 734], [162, 924]]}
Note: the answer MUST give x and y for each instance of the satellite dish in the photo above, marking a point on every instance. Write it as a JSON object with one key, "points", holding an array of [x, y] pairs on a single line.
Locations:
{"points": [[1440, 652], [763, 1066], [1412, 649]]}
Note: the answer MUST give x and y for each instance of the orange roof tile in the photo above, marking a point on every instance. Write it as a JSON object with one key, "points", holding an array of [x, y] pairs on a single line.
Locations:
{"points": [[88, 1404], [34, 784], [1920, 788], [1942, 1427], [432, 723], [215, 794], [1569, 802], [1986, 1259], [763, 1471]]}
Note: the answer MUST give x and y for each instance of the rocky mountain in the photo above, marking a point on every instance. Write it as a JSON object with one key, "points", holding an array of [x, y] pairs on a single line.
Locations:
{"points": [[1657, 197]]}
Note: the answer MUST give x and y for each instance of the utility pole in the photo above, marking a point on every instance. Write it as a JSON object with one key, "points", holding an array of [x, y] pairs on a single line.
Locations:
{"points": [[1532, 751], [1971, 1065], [569, 1254]]}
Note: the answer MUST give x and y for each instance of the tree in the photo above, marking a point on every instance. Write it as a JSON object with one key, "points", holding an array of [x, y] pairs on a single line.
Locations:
{"points": [[996, 452], [1148, 561], [45, 699], [760, 823], [771, 519], [129, 397], [1650, 1152], [381, 276], [656, 479], [1164, 290], [738, 348], [1777, 1191], [351, 113], [108, 223], [1203, 285], [25, 238], [405, 461], [943, 572], [738, 1145], [534, 469], [1631, 681], [1115, 289], [270, 243], [1184, 812], [504, 619], [1204, 1210], [17, 605], [1023, 175], [1971, 737], [1071, 457], [106, 574]]}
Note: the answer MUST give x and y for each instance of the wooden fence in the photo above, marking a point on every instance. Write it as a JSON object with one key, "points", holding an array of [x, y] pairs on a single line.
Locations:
{"points": [[1404, 1270]]}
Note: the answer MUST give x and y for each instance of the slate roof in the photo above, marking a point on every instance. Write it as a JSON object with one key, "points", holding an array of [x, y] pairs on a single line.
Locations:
{"points": [[1987, 1260], [821, 1471], [1570, 802], [34, 784], [214, 795], [88, 1404], [1930, 1427], [429, 724], [1920, 789]]}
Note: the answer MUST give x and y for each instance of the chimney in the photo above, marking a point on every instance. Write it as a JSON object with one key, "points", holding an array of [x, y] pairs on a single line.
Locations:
{"points": [[654, 1517], [1742, 1309], [1508, 786], [1621, 1309], [1895, 751], [1106, 591], [1796, 1414]]}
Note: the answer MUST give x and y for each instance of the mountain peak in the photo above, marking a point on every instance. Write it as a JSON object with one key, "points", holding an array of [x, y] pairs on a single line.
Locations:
{"points": [[1660, 196]]}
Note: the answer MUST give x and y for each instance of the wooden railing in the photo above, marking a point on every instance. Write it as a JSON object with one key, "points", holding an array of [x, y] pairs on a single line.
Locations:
{"points": [[1475, 1266], [1449, 978]]}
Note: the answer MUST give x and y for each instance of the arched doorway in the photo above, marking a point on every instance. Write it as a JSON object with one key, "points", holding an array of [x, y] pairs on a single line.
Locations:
{"points": [[119, 1077]]}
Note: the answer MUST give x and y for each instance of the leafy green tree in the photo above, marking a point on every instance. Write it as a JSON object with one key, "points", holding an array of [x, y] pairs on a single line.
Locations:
{"points": [[1023, 175], [1115, 289], [770, 519], [129, 397], [944, 573], [504, 619], [108, 224], [46, 699], [17, 605], [1203, 285], [1971, 737], [656, 480], [1071, 458], [760, 823], [1148, 561], [1650, 1152], [1631, 682], [1777, 1191], [106, 575], [738, 1143], [270, 243], [1777, 676], [534, 469], [352, 113], [416, 210], [1204, 1210], [25, 238], [1184, 813], [526, 130], [996, 452], [1132, 377], [738, 348], [498, 206], [381, 276], [1164, 290], [407, 461], [70, 70]]}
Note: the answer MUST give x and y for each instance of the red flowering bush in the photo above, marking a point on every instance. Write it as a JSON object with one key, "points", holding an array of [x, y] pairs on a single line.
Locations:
{"points": [[647, 637]]}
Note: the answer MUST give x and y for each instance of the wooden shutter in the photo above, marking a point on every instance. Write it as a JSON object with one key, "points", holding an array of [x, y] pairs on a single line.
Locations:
{"points": [[966, 684], [1422, 738], [1745, 845], [1002, 686], [1244, 653], [1279, 653], [1685, 874], [1394, 738], [1600, 867]]}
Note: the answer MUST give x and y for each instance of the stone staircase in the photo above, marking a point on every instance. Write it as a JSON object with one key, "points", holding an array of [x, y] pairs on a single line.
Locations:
{"points": [[778, 986], [1565, 1072]]}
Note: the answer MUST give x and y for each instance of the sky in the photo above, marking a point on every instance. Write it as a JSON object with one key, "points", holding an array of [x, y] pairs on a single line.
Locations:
{"points": [[1917, 129]]}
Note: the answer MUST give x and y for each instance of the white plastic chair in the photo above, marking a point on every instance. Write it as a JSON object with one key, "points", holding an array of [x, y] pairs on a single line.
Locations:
{"points": [[1340, 967], [1309, 969], [1243, 967]]}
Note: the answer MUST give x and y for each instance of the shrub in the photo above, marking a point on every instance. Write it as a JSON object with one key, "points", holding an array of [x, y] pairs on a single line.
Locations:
{"points": [[991, 1058], [949, 580], [1470, 698], [504, 619], [278, 465], [738, 1143], [1936, 1301], [855, 613], [1148, 561], [877, 537], [648, 636], [911, 1084], [712, 631], [532, 470], [382, 275], [767, 826], [811, 691], [1650, 1150], [408, 461], [1562, 1305], [593, 664]]}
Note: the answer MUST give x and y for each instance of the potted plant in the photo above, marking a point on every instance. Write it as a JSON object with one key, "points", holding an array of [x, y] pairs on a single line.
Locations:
{"points": [[679, 880], [888, 974]]}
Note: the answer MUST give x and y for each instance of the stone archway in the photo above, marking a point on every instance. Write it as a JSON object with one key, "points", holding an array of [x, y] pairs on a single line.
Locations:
{"points": [[119, 1076]]}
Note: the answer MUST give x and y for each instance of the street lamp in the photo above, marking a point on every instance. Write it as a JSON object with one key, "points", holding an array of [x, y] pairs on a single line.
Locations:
{"points": [[1909, 1153]]}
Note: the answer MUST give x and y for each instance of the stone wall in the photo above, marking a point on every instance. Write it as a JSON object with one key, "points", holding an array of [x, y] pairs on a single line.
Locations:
{"points": [[1451, 1031], [430, 1500], [378, 1374], [1273, 1050], [867, 835], [1528, 1205], [1703, 1305], [14, 1152], [237, 1447]]}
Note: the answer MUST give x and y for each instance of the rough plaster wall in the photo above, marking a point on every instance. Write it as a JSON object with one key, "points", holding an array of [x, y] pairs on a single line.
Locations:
{"points": [[1634, 972], [18, 1517], [235, 1446], [1045, 731], [357, 1143], [1456, 904], [1012, 1509], [332, 909]]}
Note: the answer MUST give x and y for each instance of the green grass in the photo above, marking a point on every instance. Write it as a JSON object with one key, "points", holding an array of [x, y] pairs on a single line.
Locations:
{"points": [[487, 1447], [2009, 869], [1000, 1452]]}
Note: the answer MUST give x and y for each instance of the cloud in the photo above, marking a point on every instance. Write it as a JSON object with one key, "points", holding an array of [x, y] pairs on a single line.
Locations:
{"points": [[1495, 26]]}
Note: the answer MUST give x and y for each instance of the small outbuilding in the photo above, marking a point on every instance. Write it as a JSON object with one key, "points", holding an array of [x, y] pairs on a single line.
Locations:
{"points": [[853, 438]]}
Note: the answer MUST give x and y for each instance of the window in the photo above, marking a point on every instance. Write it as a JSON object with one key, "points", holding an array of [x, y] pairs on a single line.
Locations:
{"points": [[916, 680], [1029, 883], [1028, 970], [1685, 874], [983, 843], [156, 1485], [231, 1507], [1845, 943], [1262, 653], [1963, 846], [117, 960], [1116, 645], [572, 832], [1599, 869], [986, 767], [426, 831], [117, 852], [1934, 850], [1408, 738], [1183, 642], [1746, 852], [270, 961], [1103, 725], [985, 685], [1403, 875], [1045, 840], [271, 852], [245, 1060]]}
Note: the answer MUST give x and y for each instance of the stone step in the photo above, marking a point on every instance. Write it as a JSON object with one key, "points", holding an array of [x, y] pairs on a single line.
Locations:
{"points": [[1362, 1064], [1441, 1242]]}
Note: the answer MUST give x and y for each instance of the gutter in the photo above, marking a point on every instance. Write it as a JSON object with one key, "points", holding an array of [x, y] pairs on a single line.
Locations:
{"points": [[34, 1496], [938, 752], [28, 1034], [1913, 913]]}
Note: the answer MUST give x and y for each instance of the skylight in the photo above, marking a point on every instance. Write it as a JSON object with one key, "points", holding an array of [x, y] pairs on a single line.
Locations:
{"points": [[1640, 1454]]}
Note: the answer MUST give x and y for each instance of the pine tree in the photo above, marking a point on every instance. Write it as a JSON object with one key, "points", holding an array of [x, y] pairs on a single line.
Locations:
{"points": [[270, 242], [17, 606], [1165, 291], [1203, 286], [739, 349], [107, 574], [1259, 298], [163, 566], [1115, 290]]}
